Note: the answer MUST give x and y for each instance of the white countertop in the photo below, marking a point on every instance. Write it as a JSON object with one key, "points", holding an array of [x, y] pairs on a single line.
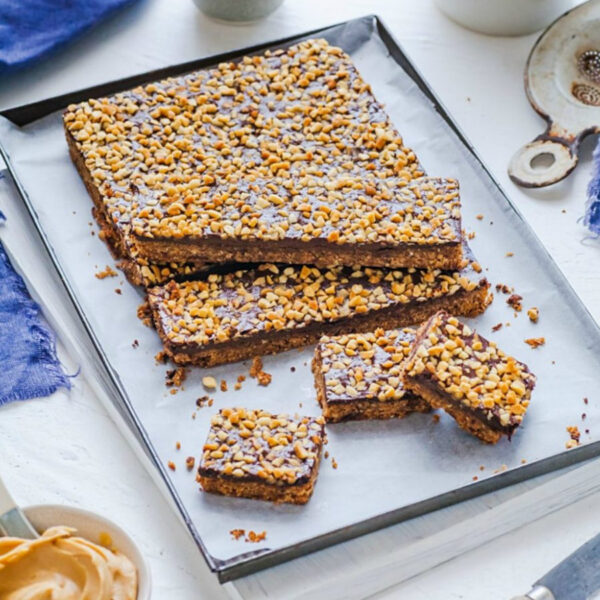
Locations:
{"points": [[66, 449]]}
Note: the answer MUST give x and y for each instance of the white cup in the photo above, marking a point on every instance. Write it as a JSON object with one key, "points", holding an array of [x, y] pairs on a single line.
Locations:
{"points": [[505, 17]]}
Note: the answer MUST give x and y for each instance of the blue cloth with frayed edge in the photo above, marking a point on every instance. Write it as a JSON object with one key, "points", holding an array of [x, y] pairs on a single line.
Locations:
{"points": [[592, 208], [28, 362], [30, 29]]}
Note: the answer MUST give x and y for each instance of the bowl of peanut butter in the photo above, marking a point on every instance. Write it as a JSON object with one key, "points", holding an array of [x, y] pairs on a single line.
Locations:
{"points": [[79, 555]]}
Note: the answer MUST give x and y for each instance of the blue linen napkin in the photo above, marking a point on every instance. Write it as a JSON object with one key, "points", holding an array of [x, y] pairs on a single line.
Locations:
{"points": [[592, 208], [29, 367], [30, 29]]}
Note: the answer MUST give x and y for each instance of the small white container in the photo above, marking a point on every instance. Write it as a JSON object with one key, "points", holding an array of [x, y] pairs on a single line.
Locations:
{"points": [[239, 11], [91, 527], [504, 17]]}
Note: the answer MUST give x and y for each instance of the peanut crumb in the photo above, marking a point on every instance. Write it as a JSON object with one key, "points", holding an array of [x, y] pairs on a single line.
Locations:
{"points": [[475, 478], [107, 272], [575, 435], [144, 313], [535, 342], [254, 537], [237, 386], [175, 377], [509, 254], [436, 418], [514, 301], [334, 463], [479, 217], [497, 327], [161, 357], [256, 371], [236, 534], [118, 291], [326, 454], [209, 382], [534, 314], [223, 385], [189, 463], [256, 366], [200, 402], [177, 445], [264, 379], [171, 465]]}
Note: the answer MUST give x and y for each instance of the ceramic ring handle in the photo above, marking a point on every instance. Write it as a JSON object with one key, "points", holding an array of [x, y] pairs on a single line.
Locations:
{"points": [[557, 159]]}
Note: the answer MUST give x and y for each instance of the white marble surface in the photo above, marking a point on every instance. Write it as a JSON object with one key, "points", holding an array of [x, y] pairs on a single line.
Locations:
{"points": [[66, 449]]}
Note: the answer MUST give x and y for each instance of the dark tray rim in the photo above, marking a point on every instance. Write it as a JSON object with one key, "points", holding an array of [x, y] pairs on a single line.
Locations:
{"points": [[252, 562]]}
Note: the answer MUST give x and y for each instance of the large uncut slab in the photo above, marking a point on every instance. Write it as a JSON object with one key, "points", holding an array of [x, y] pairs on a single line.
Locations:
{"points": [[457, 369], [286, 157], [233, 316]]}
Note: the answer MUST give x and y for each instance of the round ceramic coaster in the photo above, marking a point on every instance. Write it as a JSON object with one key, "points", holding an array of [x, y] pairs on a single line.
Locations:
{"points": [[562, 81]]}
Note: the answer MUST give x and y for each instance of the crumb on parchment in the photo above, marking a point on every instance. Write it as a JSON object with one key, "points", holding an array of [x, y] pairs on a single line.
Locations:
{"points": [[575, 435], [175, 377], [256, 372], [106, 272], [535, 342], [514, 300], [209, 382]]}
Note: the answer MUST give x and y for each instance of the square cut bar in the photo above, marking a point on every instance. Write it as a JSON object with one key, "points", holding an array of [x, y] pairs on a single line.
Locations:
{"points": [[456, 369], [233, 316], [287, 156], [358, 376], [255, 454]]}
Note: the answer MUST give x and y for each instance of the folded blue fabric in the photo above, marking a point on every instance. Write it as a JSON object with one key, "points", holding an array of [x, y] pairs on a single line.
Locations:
{"points": [[592, 208], [30, 29], [28, 362]]}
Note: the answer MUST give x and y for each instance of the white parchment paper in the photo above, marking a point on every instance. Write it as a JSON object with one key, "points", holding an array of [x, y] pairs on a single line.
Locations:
{"points": [[382, 466]]}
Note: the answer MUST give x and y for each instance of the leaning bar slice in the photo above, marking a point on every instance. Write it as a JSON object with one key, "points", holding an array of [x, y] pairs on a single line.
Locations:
{"points": [[233, 316], [358, 376], [255, 454], [456, 369]]}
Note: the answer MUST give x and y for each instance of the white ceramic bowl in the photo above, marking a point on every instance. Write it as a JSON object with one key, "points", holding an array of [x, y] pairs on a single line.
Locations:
{"points": [[504, 17], [91, 526], [238, 11]]}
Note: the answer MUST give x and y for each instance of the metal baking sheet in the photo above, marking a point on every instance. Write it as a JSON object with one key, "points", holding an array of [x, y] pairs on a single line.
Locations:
{"points": [[389, 470]]}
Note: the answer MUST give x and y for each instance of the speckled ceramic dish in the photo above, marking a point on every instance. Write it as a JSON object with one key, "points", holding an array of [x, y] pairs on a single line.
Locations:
{"points": [[562, 81]]}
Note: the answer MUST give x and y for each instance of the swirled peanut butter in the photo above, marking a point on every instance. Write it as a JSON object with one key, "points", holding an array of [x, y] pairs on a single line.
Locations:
{"points": [[60, 566]]}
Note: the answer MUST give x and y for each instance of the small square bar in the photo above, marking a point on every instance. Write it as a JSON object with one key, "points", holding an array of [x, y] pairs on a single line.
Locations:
{"points": [[256, 454], [358, 376]]}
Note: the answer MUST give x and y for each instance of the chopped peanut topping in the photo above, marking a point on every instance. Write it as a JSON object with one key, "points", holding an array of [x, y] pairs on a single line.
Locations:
{"points": [[472, 370], [279, 449], [365, 365]]}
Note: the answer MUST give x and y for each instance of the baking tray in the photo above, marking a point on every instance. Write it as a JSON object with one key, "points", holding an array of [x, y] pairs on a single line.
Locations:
{"points": [[388, 471]]}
